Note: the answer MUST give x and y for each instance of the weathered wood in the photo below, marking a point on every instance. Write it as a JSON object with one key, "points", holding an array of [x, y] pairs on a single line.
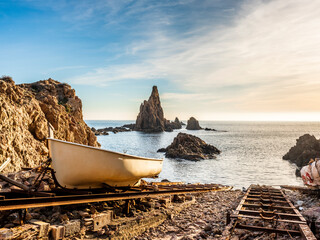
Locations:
{"points": [[5, 164], [13, 182], [257, 213], [258, 217], [306, 232], [33, 193], [267, 229]]}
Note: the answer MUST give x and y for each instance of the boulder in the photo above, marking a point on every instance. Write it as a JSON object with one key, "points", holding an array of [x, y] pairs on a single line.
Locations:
{"points": [[193, 124], [306, 148], [25, 111], [189, 147], [150, 117]]}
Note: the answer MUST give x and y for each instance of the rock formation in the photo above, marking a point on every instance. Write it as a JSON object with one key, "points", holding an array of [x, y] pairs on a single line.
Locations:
{"points": [[177, 124], [150, 117], [307, 147], [169, 126], [105, 131], [193, 124], [186, 146], [24, 112]]}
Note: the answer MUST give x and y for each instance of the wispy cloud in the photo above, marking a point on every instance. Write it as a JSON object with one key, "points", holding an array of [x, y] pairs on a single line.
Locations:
{"points": [[271, 45]]}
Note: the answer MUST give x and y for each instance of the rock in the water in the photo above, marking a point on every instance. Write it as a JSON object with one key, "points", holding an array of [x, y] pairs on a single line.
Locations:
{"points": [[176, 124], [150, 117], [193, 124], [130, 126], [24, 112], [186, 146], [210, 129], [105, 131], [306, 148]]}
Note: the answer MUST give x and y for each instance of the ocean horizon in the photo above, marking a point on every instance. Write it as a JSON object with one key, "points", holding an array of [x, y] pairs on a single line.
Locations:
{"points": [[251, 151]]}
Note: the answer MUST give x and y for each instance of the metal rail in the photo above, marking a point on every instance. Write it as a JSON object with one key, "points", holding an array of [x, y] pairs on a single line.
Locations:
{"points": [[262, 207], [21, 199]]}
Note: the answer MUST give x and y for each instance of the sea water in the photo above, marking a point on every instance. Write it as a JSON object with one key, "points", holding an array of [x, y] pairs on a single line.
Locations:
{"points": [[251, 152]]}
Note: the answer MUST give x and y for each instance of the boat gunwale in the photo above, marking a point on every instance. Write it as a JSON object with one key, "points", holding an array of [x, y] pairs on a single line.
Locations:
{"points": [[105, 150]]}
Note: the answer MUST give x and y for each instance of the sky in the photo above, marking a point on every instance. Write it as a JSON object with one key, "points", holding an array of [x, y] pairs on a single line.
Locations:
{"points": [[211, 59]]}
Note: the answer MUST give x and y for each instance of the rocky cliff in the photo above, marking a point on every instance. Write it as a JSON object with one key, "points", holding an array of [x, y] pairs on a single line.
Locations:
{"points": [[306, 148], [24, 112]]}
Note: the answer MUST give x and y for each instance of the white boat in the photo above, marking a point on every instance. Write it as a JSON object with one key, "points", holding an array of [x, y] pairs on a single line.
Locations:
{"points": [[81, 167]]}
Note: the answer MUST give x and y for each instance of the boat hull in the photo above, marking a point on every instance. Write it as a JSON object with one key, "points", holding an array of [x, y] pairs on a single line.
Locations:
{"points": [[81, 167]]}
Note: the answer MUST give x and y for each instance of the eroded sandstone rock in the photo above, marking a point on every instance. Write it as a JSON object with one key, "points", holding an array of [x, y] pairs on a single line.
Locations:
{"points": [[150, 117], [24, 112], [186, 146]]}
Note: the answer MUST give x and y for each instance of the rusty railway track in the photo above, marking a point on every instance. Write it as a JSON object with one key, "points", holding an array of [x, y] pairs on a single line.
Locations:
{"points": [[268, 209], [22, 199]]}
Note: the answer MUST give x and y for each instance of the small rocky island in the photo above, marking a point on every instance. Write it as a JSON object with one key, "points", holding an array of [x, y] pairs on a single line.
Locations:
{"points": [[189, 147], [306, 148], [151, 117]]}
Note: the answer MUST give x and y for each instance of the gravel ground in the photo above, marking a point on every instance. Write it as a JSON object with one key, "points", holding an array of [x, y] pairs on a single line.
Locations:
{"points": [[206, 219]]}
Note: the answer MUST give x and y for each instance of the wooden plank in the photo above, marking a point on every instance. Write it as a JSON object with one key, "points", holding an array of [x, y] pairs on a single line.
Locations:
{"points": [[257, 213], [258, 217], [294, 209], [302, 189], [278, 197], [268, 206], [11, 181], [5, 164], [306, 232], [32, 193], [265, 200], [242, 201], [271, 230]]}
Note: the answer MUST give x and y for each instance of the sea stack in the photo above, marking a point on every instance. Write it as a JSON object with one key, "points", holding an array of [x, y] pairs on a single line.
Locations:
{"points": [[150, 117], [193, 124]]}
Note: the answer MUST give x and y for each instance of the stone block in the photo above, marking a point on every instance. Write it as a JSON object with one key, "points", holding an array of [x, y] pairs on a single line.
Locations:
{"points": [[5, 234], [72, 227], [102, 219], [165, 201], [43, 227], [57, 232]]}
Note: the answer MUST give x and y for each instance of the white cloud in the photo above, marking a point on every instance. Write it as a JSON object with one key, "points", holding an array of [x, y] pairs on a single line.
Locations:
{"points": [[267, 58]]}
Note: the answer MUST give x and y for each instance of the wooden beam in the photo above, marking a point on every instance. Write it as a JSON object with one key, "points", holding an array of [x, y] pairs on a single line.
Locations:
{"points": [[13, 182]]}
